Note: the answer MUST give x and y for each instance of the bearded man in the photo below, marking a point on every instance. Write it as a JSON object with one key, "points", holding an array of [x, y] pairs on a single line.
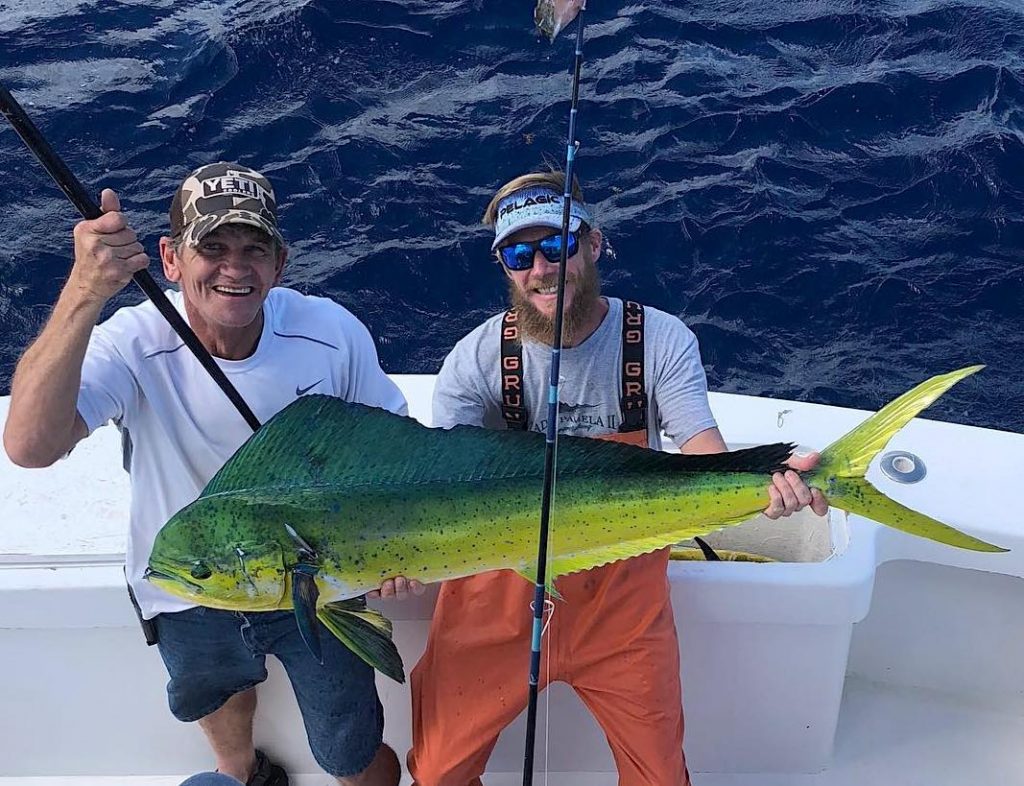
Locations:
{"points": [[629, 372]]}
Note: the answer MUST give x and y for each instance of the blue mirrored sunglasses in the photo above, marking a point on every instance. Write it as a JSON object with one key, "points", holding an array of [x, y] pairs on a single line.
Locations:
{"points": [[519, 256]]}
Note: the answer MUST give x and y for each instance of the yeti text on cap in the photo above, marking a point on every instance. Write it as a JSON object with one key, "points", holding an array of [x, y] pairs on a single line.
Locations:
{"points": [[234, 184]]}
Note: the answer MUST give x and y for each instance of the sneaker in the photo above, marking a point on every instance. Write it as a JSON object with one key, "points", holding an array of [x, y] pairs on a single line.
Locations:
{"points": [[267, 773]]}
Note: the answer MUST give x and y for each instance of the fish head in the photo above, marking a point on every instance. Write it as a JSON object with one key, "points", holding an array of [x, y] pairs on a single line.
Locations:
{"points": [[192, 560]]}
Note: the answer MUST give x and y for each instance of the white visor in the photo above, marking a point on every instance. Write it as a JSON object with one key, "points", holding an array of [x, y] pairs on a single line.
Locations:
{"points": [[535, 207]]}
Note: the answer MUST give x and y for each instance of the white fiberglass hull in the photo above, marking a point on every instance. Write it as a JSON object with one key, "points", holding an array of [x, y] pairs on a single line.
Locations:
{"points": [[766, 649]]}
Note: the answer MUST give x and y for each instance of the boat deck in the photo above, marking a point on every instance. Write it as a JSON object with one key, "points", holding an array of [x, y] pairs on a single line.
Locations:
{"points": [[887, 735]]}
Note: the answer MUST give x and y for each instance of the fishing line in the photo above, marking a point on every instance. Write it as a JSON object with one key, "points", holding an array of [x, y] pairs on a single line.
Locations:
{"points": [[549, 606], [549, 609], [551, 432]]}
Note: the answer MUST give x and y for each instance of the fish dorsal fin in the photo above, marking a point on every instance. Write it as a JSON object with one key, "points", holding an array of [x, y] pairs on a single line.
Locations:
{"points": [[324, 441]]}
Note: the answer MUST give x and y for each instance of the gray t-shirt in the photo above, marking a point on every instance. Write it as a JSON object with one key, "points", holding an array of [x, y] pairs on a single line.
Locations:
{"points": [[468, 388]]}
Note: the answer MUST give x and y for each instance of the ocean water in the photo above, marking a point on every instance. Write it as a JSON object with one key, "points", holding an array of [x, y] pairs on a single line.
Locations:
{"points": [[829, 193]]}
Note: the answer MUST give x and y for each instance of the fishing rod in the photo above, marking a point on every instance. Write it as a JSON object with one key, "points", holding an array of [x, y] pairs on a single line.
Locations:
{"points": [[79, 197], [551, 432]]}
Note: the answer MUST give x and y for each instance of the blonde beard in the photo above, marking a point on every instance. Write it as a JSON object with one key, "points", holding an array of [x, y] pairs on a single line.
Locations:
{"points": [[540, 327]]}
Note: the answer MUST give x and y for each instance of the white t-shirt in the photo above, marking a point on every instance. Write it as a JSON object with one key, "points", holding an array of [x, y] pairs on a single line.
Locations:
{"points": [[468, 388], [178, 427]]}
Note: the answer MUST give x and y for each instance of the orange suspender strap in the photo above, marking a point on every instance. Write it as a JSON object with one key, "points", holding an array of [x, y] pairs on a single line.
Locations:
{"points": [[633, 402]]}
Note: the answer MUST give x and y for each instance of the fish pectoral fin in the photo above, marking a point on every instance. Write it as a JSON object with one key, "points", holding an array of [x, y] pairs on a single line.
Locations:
{"points": [[306, 552], [304, 597], [367, 633]]}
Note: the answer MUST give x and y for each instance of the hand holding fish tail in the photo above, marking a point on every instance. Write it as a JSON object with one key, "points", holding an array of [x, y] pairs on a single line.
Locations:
{"points": [[107, 252], [789, 493], [398, 588]]}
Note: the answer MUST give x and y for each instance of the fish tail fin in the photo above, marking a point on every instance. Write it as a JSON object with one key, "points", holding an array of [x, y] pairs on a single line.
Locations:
{"points": [[840, 472], [850, 455], [366, 632], [857, 495]]}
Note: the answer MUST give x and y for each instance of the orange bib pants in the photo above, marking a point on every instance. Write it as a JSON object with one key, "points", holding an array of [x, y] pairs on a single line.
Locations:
{"points": [[613, 639]]}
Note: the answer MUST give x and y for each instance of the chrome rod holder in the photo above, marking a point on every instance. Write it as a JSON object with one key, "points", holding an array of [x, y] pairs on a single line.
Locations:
{"points": [[903, 466]]}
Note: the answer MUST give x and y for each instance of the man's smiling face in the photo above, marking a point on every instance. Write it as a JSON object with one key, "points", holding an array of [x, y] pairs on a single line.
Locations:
{"points": [[225, 279], [533, 292]]}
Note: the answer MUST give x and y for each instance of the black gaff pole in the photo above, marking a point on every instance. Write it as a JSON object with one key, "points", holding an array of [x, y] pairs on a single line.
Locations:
{"points": [[551, 435], [80, 198]]}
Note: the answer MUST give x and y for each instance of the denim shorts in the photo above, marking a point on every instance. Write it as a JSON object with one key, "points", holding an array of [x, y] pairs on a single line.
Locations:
{"points": [[211, 655]]}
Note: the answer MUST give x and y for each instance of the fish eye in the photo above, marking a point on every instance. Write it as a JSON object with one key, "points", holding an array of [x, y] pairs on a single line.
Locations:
{"points": [[200, 570]]}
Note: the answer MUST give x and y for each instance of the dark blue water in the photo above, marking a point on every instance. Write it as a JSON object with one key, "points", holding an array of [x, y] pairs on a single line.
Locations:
{"points": [[829, 193]]}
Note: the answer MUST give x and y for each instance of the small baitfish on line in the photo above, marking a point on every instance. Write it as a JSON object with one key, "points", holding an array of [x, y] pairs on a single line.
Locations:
{"points": [[553, 16]]}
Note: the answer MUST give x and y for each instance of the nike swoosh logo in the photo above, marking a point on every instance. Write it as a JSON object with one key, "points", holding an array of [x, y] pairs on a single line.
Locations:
{"points": [[302, 391]]}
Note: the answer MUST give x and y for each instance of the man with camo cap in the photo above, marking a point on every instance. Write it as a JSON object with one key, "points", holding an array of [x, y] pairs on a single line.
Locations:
{"points": [[226, 254], [220, 194]]}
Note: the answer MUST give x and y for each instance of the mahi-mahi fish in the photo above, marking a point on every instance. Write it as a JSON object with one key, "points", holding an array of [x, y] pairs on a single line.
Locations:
{"points": [[329, 499], [553, 16]]}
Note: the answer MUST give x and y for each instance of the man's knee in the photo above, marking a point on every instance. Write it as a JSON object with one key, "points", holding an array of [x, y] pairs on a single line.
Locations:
{"points": [[437, 772], [240, 707], [207, 661], [384, 770]]}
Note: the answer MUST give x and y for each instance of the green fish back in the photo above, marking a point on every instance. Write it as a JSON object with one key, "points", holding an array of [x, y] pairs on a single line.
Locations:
{"points": [[324, 441]]}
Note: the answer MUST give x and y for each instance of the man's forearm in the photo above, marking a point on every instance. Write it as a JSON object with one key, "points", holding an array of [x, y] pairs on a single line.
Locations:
{"points": [[41, 423], [707, 441]]}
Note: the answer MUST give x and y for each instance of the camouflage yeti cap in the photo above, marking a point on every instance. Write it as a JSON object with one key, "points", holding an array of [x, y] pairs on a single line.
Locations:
{"points": [[219, 194]]}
